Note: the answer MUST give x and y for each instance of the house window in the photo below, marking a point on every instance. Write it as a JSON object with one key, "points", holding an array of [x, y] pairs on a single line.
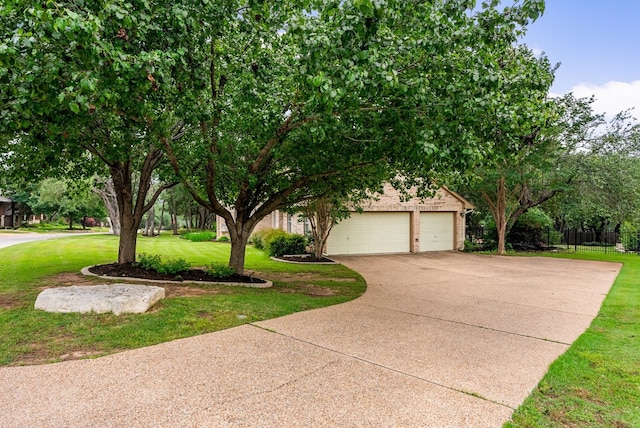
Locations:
{"points": [[289, 223], [307, 226]]}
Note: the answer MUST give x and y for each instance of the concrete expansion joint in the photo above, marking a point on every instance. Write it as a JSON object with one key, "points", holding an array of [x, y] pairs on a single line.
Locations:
{"points": [[373, 363], [270, 390], [472, 325], [590, 316]]}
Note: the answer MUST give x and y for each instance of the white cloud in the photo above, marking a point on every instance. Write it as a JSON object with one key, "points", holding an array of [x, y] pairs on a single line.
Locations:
{"points": [[612, 97], [537, 52]]}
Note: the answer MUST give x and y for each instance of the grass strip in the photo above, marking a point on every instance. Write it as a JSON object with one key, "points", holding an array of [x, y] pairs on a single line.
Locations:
{"points": [[596, 383]]}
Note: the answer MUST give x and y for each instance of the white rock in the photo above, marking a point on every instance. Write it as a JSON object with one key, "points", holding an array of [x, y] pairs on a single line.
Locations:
{"points": [[116, 298]]}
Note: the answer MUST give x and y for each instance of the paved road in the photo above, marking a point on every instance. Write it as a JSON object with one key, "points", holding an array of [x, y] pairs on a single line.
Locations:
{"points": [[8, 239], [438, 340]]}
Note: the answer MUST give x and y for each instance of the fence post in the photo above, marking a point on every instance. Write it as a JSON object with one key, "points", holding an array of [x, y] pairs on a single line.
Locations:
{"points": [[575, 240]]}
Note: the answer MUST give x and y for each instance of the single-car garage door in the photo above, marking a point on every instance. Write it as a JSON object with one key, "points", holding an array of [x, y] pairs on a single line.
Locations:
{"points": [[370, 233], [436, 231]]}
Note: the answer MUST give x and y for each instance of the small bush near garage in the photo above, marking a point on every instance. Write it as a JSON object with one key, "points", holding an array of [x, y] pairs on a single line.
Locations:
{"points": [[262, 239], [287, 244]]}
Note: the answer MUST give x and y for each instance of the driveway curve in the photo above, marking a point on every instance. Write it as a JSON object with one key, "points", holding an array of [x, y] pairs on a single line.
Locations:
{"points": [[9, 239], [438, 340]]}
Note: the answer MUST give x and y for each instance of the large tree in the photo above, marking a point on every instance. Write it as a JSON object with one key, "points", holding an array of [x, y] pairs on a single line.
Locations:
{"points": [[605, 191], [79, 94], [304, 98], [531, 151]]}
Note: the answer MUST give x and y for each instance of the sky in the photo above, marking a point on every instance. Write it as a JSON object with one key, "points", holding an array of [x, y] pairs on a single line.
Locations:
{"points": [[597, 43]]}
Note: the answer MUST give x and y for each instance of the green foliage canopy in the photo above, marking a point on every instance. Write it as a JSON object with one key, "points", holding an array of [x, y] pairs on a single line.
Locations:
{"points": [[259, 105]]}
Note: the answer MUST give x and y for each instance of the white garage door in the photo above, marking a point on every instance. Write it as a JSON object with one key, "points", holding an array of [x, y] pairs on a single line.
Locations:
{"points": [[436, 231], [371, 233]]}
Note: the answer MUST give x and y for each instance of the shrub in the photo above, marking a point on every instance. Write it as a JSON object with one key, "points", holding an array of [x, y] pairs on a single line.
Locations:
{"points": [[262, 239], [154, 262], [469, 246], [199, 236], [174, 266], [89, 222], [219, 270], [223, 239], [528, 232], [629, 236], [149, 261], [287, 244]]}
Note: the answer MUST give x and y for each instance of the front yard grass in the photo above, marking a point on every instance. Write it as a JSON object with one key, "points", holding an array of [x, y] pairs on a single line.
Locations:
{"points": [[596, 383], [28, 336]]}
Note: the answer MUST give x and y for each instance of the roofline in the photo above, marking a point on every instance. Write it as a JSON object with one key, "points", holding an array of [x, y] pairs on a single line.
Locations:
{"points": [[467, 205]]}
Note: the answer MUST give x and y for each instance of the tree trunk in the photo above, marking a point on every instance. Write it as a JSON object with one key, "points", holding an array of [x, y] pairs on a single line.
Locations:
{"points": [[108, 196], [238, 249], [127, 245], [174, 215], [70, 223], [501, 215], [321, 225], [319, 245], [130, 211], [128, 225], [149, 225], [240, 232], [161, 218], [498, 209], [129, 214]]}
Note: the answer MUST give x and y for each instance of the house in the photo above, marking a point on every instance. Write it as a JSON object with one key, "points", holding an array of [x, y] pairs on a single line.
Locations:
{"points": [[8, 212], [388, 225]]}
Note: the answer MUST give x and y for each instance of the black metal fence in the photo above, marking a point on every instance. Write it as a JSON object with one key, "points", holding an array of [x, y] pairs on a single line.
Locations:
{"points": [[484, 239]]}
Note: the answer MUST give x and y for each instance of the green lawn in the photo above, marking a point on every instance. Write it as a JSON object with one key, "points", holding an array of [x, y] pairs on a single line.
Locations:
{"points": [[28, 336], [596, 383]]}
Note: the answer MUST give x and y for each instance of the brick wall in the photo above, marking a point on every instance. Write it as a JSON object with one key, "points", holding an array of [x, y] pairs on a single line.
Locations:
{"points": [[390, 201]]}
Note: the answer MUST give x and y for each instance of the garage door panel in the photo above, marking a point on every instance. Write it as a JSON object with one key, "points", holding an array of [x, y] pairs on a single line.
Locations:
{"points": [[436, 231], [368, 233]]}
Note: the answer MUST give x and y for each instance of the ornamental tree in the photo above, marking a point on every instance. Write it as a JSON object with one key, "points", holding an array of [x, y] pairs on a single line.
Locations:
{"points": [[533, 153]]}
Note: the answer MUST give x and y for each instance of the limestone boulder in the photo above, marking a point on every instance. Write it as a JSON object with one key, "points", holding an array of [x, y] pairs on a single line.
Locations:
{"points": [[116, 298]]}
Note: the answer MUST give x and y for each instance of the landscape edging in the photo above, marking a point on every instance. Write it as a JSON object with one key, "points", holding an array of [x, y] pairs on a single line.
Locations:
{"points": [[266, 284]]}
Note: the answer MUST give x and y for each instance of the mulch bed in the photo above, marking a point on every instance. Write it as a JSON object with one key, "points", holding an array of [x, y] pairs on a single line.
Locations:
{"points": [[305, 259], [128, 270]]}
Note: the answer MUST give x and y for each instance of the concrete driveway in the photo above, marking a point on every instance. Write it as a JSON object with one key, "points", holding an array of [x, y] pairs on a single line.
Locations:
{"points": [[438, 340], [9, 239]]}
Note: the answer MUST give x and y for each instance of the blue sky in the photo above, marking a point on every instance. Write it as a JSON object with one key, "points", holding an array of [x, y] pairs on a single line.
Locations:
{"points": [[597, 43]]}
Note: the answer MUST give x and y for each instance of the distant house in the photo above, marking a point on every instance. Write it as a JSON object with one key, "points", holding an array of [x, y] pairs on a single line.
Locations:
{"points": [[387, 225], [8, 213]]}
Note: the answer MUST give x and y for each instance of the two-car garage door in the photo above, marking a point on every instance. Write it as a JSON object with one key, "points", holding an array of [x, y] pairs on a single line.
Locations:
{"points": [[390, 232]]}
